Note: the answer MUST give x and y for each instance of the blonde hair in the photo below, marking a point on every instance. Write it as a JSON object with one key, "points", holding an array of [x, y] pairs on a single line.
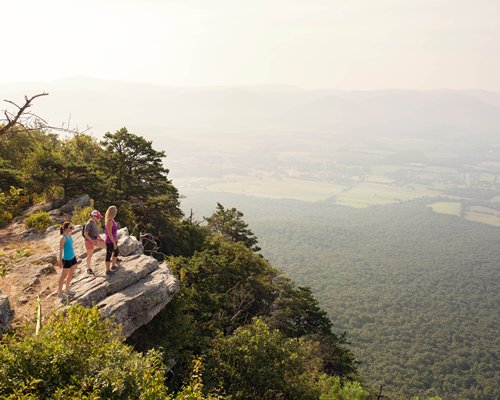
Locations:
{"points": [[110, 213]]}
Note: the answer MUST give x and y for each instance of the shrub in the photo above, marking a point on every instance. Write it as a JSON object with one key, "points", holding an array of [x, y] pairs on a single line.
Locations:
{"points": [[335, 389], [259, 363], [39, 221], [78, 353], [9, 203], [80, 215], [5, 219], [39, 198], [53, 192], [22, 252], [5, 264]]}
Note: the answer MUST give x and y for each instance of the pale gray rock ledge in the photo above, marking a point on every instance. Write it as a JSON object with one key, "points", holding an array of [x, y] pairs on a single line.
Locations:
{"points": [[134, 294]]}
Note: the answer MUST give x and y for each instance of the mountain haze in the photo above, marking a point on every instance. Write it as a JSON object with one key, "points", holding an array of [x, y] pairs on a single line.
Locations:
{"points": [[106, 105]]}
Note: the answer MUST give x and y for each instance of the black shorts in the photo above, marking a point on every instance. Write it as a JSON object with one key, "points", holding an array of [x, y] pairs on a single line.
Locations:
{"points": [[69, 263], [110, 250]]}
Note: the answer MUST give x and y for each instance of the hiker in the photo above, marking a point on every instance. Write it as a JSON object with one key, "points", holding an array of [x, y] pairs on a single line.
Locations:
{"points": [[92, 238], [111, 236], [67, 259]]}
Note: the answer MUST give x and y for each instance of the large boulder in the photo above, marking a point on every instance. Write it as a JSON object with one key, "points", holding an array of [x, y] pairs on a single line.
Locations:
{"points": [[47, 206], [82, 201], [6, 313], [129, 245], [123, 232], [139, 303]]}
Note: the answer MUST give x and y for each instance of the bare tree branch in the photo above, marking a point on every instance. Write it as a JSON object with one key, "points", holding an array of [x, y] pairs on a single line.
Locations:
{"points": [[379, 395], [11, 123], [28, 122], [31, 115], [11, 102]]}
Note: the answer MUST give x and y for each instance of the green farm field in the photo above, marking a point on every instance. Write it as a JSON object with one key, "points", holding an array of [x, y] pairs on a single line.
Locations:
{"points": [[483, 215], [447, 207], [367, 194], [277, 188]]}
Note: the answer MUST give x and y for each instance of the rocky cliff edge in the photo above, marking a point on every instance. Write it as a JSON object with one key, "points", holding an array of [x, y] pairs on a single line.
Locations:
{"points": [[132, 296]]}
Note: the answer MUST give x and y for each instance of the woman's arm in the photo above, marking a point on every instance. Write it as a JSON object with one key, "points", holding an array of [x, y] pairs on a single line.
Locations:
{"points": [[61, 245], [87, 236]]}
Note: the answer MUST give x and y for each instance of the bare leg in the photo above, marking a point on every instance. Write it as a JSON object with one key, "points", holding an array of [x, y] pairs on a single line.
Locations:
{"points": [[114, 261], [69, 277], [64, 274], [108, 265], [89, 257]]}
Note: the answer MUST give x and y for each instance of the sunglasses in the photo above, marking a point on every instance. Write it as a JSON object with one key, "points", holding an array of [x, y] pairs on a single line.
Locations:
{"points": [[71, 228]]}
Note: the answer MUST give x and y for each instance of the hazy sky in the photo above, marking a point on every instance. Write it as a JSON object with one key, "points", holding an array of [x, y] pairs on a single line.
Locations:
{"points": [[351, 44]]}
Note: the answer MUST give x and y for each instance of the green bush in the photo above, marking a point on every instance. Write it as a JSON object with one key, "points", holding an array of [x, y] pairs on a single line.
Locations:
{"points": [[259, 363], [53, 192], [5, 219], [39, 198], [5, 264], [335, 389], [39, 221], [78, 353], [81, 215], [10, 202]]}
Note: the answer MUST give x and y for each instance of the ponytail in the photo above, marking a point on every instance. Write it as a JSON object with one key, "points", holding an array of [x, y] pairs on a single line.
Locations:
{"points": [[64, 226]]}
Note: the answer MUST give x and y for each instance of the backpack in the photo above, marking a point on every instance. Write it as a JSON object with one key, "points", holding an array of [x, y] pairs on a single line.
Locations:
{"points": [[84, 229]]}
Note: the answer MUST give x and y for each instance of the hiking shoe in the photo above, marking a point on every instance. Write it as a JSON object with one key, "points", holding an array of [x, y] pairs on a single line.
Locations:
{"points": [[114, 268], [109, 273], [61, 295]]}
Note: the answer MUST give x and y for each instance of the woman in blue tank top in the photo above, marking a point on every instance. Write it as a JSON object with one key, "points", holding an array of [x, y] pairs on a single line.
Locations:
{"points": [[67, 259]]}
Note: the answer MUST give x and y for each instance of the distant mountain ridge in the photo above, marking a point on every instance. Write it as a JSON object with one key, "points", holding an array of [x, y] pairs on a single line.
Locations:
{"points": [[107, 105]]}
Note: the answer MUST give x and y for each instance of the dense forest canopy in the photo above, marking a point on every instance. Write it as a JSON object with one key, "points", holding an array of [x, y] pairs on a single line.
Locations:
{"points": [[416, 291]]}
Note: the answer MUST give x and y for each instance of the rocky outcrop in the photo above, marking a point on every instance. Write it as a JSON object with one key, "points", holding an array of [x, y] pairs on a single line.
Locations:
{"points": [[82, 201], [6, 313], [132, 295], [59, 206], [139, 303]]}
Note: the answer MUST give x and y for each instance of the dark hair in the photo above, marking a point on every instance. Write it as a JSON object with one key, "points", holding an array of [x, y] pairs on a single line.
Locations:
{"points": [[64, 226]]}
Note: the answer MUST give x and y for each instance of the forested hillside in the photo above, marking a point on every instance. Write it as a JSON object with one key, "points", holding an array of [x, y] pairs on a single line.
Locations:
{"points": [[252, 330], [416, 291]]}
